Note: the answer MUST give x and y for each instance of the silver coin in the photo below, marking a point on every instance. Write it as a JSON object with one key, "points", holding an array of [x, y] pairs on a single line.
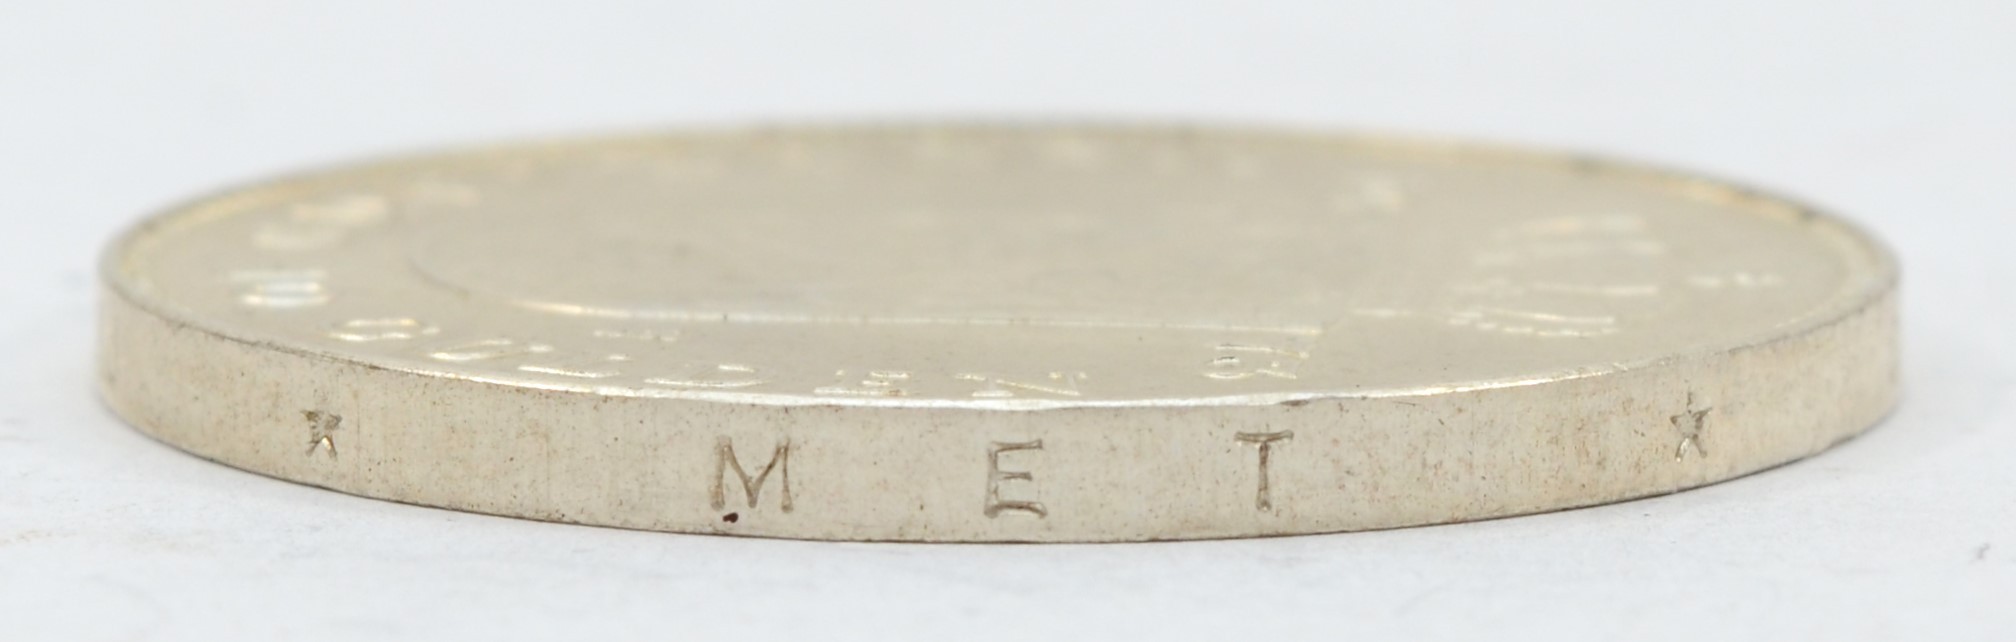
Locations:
{"points": [[999, 333]]}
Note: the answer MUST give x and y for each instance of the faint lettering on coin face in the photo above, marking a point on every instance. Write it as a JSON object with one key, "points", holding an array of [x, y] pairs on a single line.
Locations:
{"points": [[986, 267]]}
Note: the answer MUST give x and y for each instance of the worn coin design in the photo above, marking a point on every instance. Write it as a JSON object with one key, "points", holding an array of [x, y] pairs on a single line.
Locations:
{"points": [[999, 333]]}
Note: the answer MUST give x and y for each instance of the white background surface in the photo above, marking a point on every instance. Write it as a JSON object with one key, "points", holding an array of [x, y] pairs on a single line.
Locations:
{"points": [[1902, 115]]}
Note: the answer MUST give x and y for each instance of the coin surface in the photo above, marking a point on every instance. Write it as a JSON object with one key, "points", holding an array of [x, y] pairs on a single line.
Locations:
{"points": [[1012, 333]]}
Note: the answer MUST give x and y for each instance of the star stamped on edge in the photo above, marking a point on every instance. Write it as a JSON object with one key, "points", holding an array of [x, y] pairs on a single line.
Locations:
{"points": [[322, 431], [1690, 423]]}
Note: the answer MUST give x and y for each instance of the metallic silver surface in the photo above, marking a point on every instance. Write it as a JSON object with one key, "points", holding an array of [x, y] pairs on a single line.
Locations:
{"points": [[999, 334]]}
